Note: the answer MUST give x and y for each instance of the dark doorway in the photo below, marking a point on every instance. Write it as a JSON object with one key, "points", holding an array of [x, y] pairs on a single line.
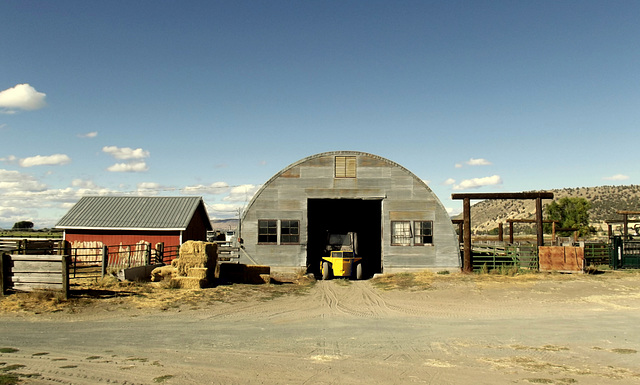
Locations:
{"points": [[342, 215]]}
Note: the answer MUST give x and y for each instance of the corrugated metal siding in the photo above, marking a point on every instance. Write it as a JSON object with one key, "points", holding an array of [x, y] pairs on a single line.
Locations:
{"points": [[399, 190], [132, 212]]}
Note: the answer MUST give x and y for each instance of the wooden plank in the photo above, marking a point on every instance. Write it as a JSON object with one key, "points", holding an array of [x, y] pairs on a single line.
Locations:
{"points": [[44, 258], [37, 278], [36, 267], [522, 195], [37, 286]]}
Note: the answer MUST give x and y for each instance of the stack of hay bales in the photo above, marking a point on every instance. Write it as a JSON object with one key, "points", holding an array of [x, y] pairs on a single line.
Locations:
{"points": [[196, 265]]}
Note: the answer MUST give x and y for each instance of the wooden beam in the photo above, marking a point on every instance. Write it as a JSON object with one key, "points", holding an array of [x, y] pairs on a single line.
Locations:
{"points": [[539, 221], [522, 195], [467, 265]]}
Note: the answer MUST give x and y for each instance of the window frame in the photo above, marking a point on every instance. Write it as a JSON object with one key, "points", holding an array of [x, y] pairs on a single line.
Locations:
{"points": [[345, 167], [418, 234], [296, 235], [395, 236], [268, 242]]}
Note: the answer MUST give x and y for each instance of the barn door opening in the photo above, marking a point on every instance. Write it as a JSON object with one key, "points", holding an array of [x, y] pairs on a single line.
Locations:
{"points": [[343, 215]]}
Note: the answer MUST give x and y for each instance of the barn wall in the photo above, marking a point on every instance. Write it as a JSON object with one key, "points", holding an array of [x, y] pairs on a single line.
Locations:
{"points": [[403, 197], [197, 228], [117, 237]]}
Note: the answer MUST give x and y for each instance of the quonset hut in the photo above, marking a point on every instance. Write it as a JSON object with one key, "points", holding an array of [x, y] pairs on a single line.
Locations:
{"points": [[401, 224]]}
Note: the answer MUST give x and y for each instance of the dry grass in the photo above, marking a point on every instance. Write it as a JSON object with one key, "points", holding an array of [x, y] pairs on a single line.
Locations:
{"points": [[109, 294]]}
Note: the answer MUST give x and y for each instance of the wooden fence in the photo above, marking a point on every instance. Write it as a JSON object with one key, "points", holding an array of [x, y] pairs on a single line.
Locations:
{"points": [[21, 272]]}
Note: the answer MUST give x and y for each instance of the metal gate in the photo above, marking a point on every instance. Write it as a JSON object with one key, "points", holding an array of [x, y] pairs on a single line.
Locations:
{"points": [[625, 254]]}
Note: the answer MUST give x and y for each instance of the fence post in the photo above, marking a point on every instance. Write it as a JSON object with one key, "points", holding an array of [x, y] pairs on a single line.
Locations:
{"points": [[105, 260], [4, 272], [147, 254], [66, 259], [160, 252]]}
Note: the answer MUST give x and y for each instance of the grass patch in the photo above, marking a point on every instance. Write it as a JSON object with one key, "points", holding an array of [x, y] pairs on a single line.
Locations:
{"points": [[93, 358], [163, 378], [404, 281], [8, 350], [39, 354], [9, 379], [624, 351], [10, 368], [68, 366]]}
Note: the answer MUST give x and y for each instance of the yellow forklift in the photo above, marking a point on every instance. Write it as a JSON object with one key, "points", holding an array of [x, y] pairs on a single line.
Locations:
{"points": [[341, 257]]}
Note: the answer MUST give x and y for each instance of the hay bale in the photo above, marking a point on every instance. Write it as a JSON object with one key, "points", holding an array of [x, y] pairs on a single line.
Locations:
{"points": [[196, 254], [198, 272], [162, 272], [188, 283]]}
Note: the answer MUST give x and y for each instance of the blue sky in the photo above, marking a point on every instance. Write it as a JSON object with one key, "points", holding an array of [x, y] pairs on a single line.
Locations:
{"points": [[215, 97]]}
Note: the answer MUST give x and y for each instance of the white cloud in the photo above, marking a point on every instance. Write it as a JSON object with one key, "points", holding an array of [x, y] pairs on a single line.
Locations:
{"points": [[9, 159], [129, 167], [616, 177], [474, 162], [478, 162], [14, 181], [213, 189], [449, 182], [475, 183], [124, 153], [49, 160], [21, 97], [91, 134], [242, 193], [83, 183]]}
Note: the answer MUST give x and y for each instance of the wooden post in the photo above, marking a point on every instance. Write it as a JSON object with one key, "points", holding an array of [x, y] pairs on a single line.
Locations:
{"points": [[511, 232], [609, 230], [500, 232], [553, 233], [147, 254], [105, 260], [66, 260], [160, 252], [539, 228], [4, 273], [626, 227], [467, 265]]}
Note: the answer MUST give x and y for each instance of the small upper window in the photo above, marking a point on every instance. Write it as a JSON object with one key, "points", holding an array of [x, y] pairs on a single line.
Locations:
{"points": [[401, 233], [289, 231], [268, 231], [423, 232], [345, 166]]}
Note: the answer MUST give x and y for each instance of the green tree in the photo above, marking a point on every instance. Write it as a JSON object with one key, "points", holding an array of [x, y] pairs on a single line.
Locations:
{"points": [[23, 225], [570, 213]]}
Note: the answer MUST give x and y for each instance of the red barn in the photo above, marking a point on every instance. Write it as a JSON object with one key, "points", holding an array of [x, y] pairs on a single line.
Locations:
{"points": [[130, 220]]}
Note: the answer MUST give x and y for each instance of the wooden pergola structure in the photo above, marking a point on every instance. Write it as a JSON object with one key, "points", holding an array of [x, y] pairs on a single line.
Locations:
{"points": [[466, 208], [625, 220]]}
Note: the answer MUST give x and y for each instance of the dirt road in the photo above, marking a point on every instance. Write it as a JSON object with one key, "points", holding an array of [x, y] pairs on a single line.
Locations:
{"points": [[582, 330]]}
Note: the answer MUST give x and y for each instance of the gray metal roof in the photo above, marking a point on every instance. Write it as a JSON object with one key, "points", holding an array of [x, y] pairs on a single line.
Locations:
{"points": [[128, 212]]}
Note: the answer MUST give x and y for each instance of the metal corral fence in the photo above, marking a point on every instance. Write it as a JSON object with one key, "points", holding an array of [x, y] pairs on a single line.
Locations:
{"points": [[491, 256], [95, 260], [597, 254]]}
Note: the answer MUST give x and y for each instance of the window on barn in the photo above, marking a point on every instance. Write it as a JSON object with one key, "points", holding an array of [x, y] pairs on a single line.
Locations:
{"points": [[268, 231], [401, 233], [423, 232], [289, 231], [345, 166]]}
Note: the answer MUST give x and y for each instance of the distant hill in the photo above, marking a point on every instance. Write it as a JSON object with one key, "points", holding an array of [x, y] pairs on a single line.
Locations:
{"points": [[605, 201], [224, 224]]}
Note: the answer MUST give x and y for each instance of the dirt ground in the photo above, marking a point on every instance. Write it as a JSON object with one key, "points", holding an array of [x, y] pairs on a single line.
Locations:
{"points": [[404, 329]]}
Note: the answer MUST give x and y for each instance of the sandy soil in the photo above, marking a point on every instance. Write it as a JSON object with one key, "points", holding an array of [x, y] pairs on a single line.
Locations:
{"points": [[541, 329]]}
